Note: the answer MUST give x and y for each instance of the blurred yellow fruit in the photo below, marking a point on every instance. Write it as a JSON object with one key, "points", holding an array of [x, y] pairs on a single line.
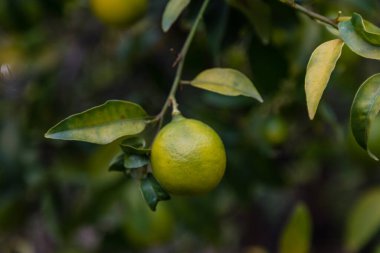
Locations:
{"points": [[120, 13], [12, 59], [276, 131], [255, 249]]}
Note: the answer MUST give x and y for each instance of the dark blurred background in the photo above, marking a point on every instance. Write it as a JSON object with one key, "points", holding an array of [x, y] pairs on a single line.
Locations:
{"points": [[57, 59]]}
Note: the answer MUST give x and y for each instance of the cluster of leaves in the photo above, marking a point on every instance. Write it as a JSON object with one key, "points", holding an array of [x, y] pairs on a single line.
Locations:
{"points": [[121, 119], [53, 193], [363, 38]]}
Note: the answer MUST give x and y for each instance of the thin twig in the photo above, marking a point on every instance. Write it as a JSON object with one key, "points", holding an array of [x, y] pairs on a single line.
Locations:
{"points": [[176, 61], [180, 60], [312, 14], [185, 82]]}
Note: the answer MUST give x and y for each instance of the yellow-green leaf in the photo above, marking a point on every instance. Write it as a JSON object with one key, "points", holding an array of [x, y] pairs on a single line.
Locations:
{"points": [[226, 81], [363, 221], [365, 107], [173, 9], [368, 31], [321, 64], [356, 43], [101, 124], [296, 236]]}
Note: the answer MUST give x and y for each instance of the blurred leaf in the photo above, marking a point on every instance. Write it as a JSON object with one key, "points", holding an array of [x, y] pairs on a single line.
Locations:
{"points": [[377, 249], [101, 124], [321, 64], [117, 163], [365, 107], [368, 31], [173, 9], [135, 161], [227, 82], [259, 15], [356, 43], [153, 192], [363, 221], [135, 145], [296, 236], [215, 22]]}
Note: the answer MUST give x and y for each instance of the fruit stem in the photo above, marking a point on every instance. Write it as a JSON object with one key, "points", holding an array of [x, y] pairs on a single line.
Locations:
{"points": [[180, 61], [175, 110]]}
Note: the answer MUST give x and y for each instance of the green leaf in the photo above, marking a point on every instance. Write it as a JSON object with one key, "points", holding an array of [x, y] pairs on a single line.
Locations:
{"points": [[363, 221], [153, 192], [135, 145], [173, 9], [135, 161], [321, 64], [356, 43], [365, 107], [101, 124], [377, 249], [227, 82], [368, 31], [296, 236], [117, 163]]}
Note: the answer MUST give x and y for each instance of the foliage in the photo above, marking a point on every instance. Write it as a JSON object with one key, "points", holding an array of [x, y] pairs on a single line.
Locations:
{"points": [[58, 59], [297, 232]]}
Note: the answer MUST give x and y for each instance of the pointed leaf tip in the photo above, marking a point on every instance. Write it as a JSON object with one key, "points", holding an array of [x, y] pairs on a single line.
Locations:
{"points": [[153, 192], [117, 163], [226, 81], [172, 11], [321, 64], [296, 236]]}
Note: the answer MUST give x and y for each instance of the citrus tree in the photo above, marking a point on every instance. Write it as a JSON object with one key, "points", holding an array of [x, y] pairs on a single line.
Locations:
{"points": [[187, 157], [260, 72]]}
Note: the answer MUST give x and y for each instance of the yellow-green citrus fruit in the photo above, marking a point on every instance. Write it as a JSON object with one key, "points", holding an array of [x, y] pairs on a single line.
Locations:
{"points": [[121, 13], [276, 131], [188, 157]]}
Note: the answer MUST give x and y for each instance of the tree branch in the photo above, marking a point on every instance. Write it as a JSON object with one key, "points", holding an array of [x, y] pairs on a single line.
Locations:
{"points": [[180, 61], [311, 14]]}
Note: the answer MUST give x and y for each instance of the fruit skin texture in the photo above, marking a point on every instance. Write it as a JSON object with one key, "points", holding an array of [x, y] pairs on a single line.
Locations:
{"points": [[120, 13], [188, 157]]}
